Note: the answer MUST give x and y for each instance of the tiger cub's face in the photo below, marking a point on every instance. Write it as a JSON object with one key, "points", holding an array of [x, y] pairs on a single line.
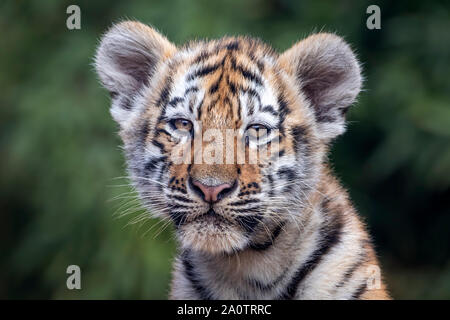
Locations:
{"points": [[225, 137]]}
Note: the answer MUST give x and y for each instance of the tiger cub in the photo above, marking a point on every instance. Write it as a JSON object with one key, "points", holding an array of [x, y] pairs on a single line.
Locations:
{"points": [[229, 140]]}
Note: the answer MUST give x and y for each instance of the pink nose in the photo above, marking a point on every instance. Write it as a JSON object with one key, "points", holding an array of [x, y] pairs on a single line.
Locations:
{"points": [[212, 193]]}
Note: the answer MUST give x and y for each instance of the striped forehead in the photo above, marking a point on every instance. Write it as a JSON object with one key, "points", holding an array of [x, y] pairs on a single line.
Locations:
{"points": [[222, 84]]}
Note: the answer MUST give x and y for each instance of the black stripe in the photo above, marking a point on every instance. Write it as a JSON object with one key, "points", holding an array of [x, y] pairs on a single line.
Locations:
{"points": [[227, 102], [233, 87], [214, 87], [265, 286], [239, 110], [204, 71], [178, 218], [175, 101], [199, 109], [233, 46], [165, 92], [351, 270], [213, 104], [191, 105], [255, 94], [299, 137], [152, 164], [273, 236], [158, 144], [202, 57], [249, 75], [287, 173], [249, 223], [330, 236], [179, 206], [190, 89], [162, 171], [270, 110], [243, 202], [158, 132], [247, 210], [183, 191], [251, 108], [271, 185], [125, 103], [144, 132], [203, 292], [181, 198], [360, 291], [260, 65], [282, 108]]}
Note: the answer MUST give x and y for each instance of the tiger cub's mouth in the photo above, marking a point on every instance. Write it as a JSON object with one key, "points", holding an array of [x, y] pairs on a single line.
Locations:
{"points": [[212, 216]]}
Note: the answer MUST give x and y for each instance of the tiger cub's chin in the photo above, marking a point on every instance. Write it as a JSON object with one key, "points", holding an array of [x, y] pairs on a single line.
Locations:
{"points": [[211, 236]]}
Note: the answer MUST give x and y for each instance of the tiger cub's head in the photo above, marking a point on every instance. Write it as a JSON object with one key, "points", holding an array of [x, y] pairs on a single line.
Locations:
{"points": [[225, 137]]}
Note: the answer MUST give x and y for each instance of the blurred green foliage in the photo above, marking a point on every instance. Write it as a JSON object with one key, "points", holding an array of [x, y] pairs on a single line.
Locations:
{"points": [[61, 157]]}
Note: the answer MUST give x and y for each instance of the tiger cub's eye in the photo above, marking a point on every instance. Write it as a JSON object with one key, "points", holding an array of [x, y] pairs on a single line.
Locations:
{"points": [[257, 130], [181, 124]]}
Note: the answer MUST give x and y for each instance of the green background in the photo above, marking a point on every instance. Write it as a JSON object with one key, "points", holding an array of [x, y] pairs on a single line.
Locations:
{"points": [[61, 166]]}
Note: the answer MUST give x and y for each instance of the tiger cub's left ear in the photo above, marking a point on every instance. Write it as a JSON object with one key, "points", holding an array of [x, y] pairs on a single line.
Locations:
{"points": [[126, 60], [328, 74]]}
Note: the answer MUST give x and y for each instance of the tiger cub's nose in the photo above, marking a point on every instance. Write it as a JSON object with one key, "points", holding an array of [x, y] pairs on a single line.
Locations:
{"points": [[212, 194]]}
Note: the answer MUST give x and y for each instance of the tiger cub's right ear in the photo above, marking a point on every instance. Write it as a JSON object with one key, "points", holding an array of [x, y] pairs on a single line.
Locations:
{"points": [[127, 58], [327, 72]]}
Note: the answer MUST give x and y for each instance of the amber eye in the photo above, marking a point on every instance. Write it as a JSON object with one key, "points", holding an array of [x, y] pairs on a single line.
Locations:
{"points": [[257, 130], [181, 124]]}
